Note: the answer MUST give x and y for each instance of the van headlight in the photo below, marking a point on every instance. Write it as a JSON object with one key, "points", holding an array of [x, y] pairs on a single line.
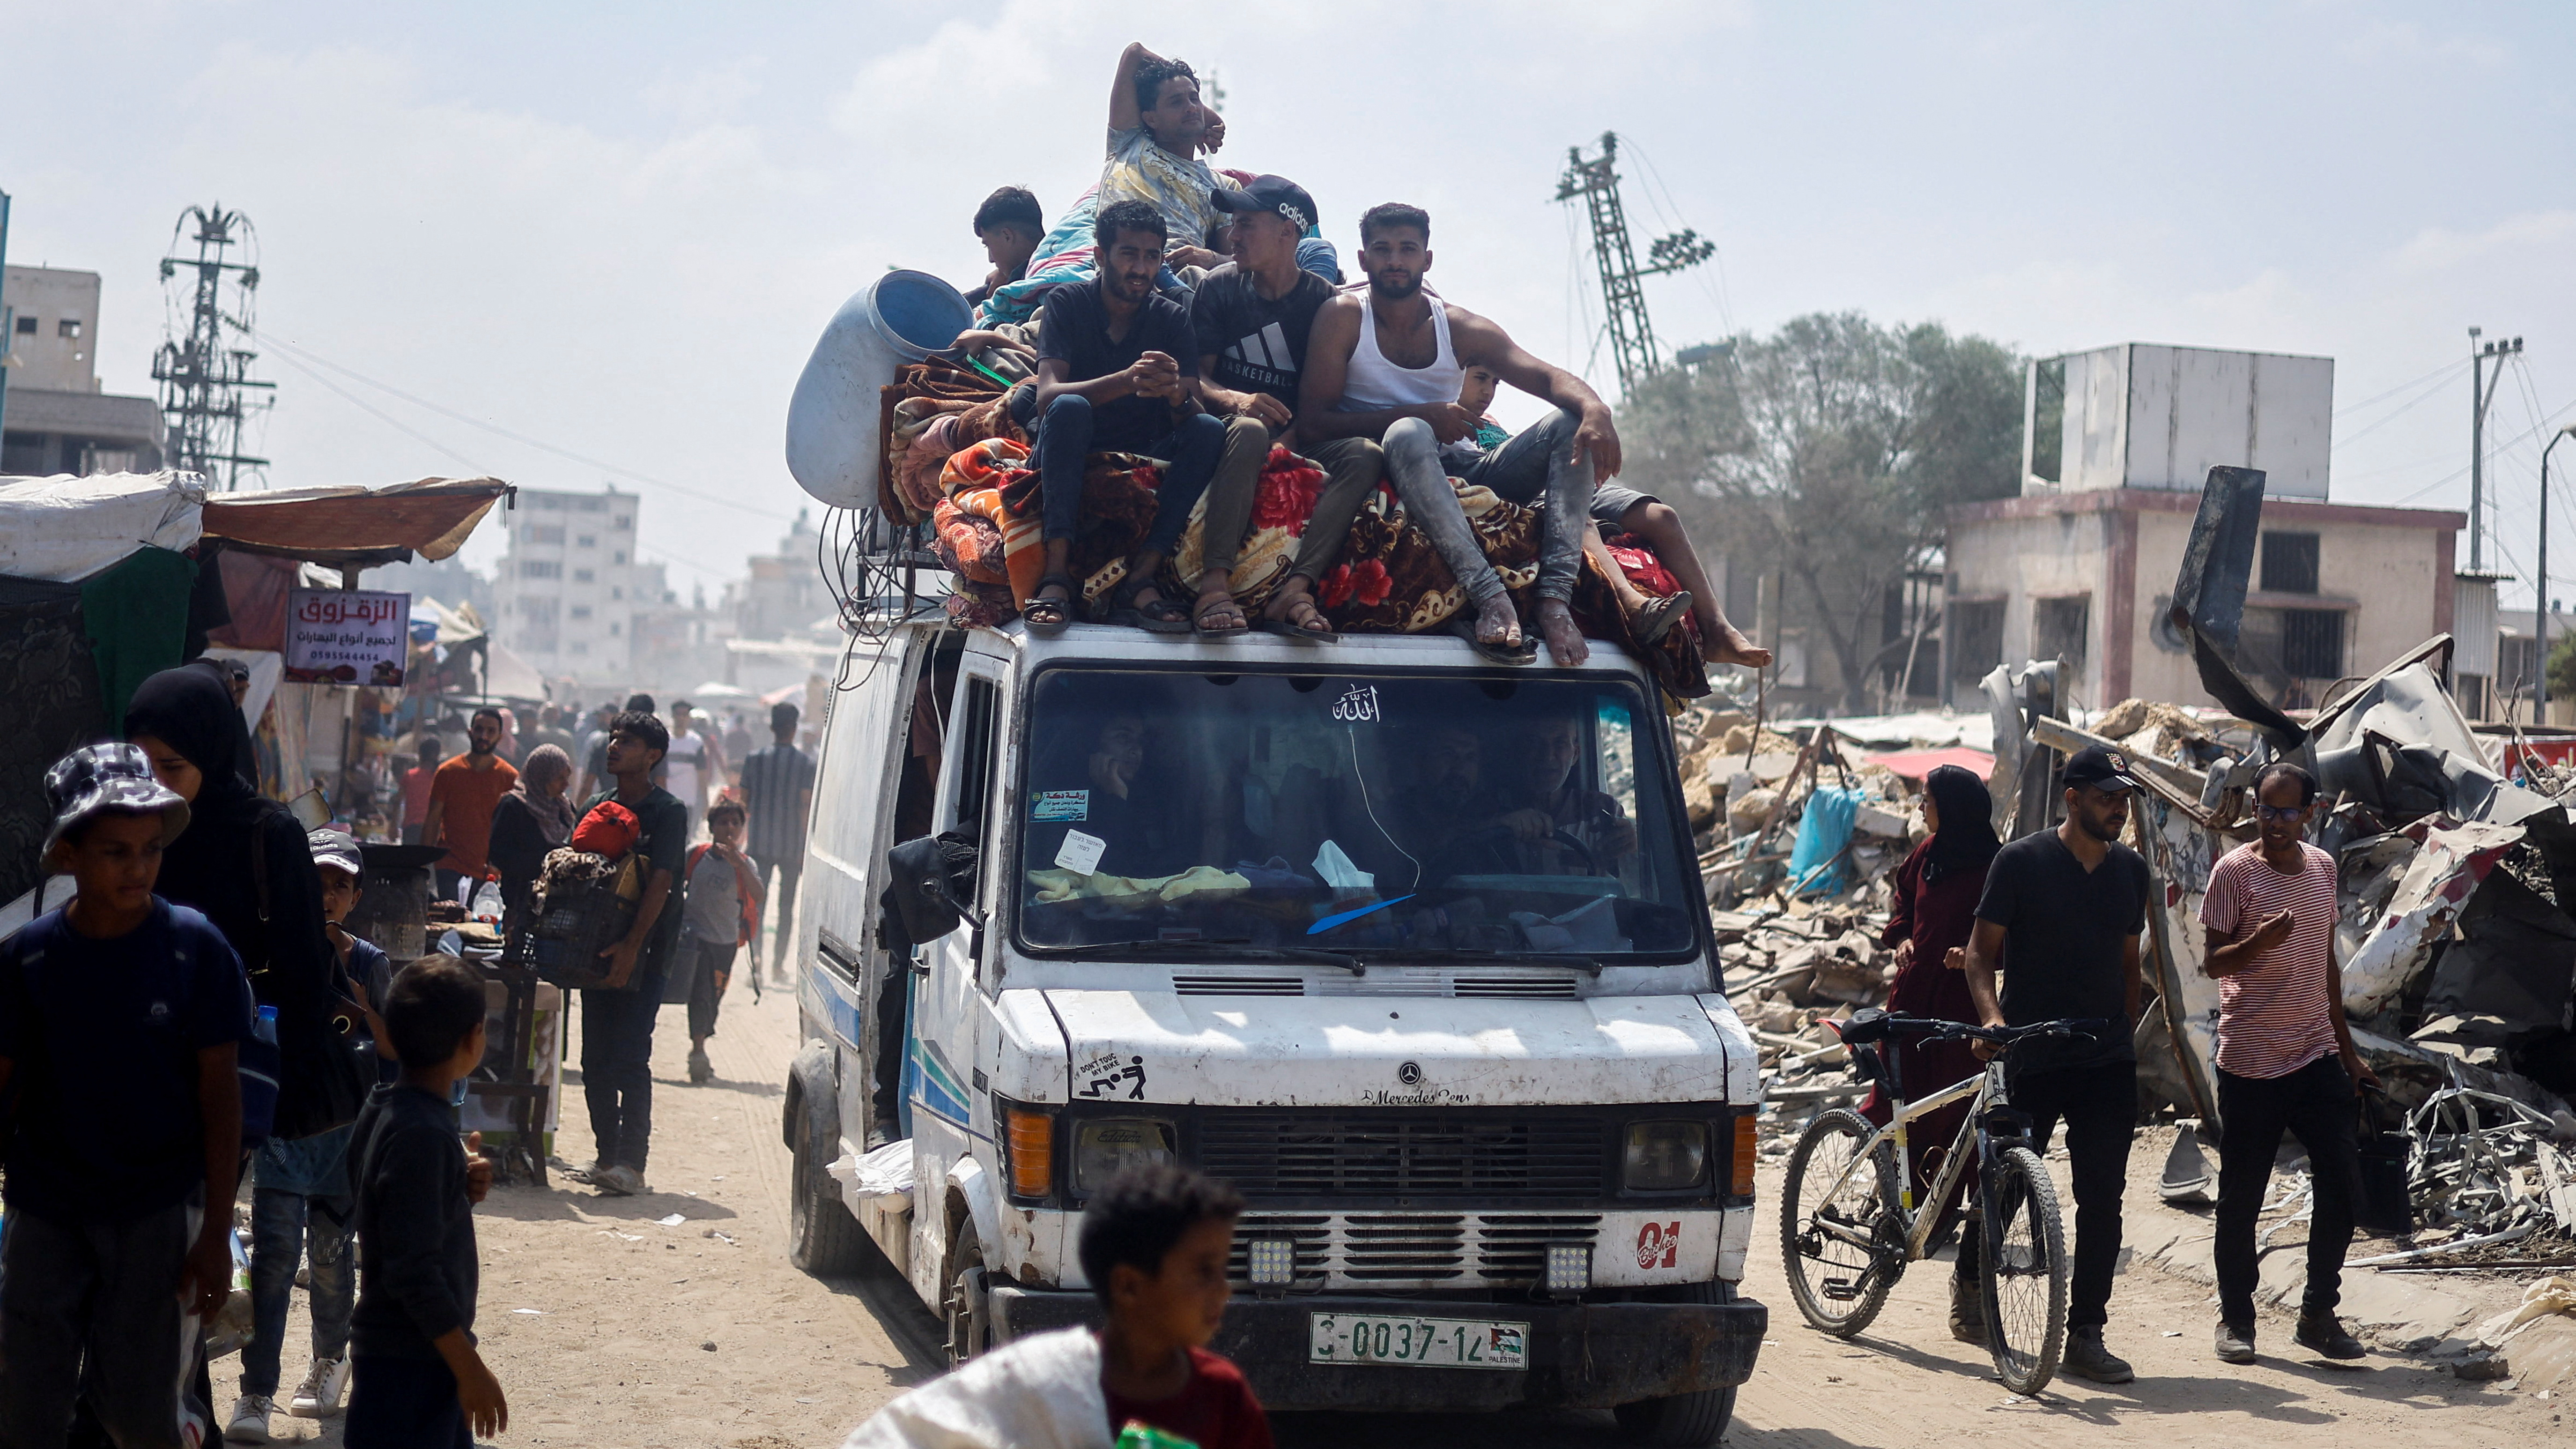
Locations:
{"points": [[1665, 1156], [1106, 1146]]}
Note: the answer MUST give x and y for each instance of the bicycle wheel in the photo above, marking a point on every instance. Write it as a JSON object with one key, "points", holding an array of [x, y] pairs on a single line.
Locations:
{"points": [[1838, 1243], [2027, 1272]]}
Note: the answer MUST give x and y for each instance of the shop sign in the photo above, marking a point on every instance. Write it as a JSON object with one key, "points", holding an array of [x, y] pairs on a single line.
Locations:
{"points": [[347, 636]]}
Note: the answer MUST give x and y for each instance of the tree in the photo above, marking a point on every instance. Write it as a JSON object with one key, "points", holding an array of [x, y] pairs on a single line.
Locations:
{"points": [[1830, 451]]}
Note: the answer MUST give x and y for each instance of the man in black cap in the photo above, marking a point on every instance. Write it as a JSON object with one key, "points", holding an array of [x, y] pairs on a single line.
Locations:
{"points": [[1251, 319], [2061, 917]]}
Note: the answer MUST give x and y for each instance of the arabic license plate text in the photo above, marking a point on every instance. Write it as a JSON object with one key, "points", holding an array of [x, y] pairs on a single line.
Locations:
{"points": [[1423, 1342]]}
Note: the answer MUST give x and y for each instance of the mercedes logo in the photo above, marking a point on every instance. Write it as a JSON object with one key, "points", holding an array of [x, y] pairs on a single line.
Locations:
{"points": [[1409, 1074]]}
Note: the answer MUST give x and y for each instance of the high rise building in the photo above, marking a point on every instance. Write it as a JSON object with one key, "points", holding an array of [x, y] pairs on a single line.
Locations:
{"points": [[566, 589]]}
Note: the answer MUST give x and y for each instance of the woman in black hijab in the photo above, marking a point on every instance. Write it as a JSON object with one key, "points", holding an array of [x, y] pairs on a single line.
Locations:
{"points": [[244, 863], [1934, 910]]}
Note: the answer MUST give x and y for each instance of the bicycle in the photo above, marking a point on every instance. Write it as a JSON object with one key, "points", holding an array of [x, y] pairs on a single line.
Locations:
{"points": [[1850, 1222]]}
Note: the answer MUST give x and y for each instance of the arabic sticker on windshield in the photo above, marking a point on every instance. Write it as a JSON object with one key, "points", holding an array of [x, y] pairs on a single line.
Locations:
{"points": [[1357, 705], [1080, 853], [1060, 805]]}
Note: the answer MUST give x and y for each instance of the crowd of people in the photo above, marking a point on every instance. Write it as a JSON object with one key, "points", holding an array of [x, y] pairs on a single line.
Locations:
{"points": [[1198, 318], [198, 1018]]}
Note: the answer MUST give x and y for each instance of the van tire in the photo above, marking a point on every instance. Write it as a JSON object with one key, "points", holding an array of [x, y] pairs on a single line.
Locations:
{"points": [[823, 1237], [1682, 1421], [967, 1310]]}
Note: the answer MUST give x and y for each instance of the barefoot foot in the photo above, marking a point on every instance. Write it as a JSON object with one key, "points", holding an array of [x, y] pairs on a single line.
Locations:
{"points": [[1564, 641], [1498, 623], [1732, 647]]}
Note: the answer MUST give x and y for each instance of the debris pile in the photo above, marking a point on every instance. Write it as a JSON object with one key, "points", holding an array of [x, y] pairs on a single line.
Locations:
{"points": [[2486, 1170]]}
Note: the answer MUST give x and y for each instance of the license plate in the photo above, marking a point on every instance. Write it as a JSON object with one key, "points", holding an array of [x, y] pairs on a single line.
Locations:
{"points": [[1421, 1342]]}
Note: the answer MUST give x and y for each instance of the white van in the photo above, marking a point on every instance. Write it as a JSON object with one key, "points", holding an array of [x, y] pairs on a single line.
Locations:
{"points": [[1410, 948]]}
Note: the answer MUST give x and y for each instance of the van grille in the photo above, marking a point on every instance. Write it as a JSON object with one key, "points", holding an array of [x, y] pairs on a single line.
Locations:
{"points": [[1389, 1251], [1405, 1155]]}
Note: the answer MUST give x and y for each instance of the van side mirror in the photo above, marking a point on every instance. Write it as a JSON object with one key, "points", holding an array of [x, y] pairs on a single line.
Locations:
{"points": [[927, 883]]}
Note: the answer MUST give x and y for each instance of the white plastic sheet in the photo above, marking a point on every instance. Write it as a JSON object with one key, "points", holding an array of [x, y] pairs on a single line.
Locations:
{"points": [[1041, 1392], [64, 529]]}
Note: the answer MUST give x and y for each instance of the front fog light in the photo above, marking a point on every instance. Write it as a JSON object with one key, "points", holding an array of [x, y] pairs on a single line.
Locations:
{"points": [[1271, 1262], [1569, 1267]]}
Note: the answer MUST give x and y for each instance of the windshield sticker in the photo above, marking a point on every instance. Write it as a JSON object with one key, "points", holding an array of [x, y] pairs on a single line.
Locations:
{"points": [[1358, 705], [1080, 853], [1060, 805], [1102, 1074]]}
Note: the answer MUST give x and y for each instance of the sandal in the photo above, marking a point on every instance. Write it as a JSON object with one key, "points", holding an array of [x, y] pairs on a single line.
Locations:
{"points": [[1657, 616], [1162, 616], [1216, 606], [1526, 652], [1302, 612], [1045, 615]]}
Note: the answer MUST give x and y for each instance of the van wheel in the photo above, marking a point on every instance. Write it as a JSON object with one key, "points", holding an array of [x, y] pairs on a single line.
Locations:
{"points": [[967, 1310], [822, 1236], [1682, 1421]]}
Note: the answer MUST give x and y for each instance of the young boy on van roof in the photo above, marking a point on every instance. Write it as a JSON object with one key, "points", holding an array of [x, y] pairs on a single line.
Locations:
{"points": [[1010, 226]]}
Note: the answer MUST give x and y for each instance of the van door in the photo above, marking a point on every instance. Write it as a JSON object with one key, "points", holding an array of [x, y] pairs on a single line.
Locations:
{"points": [[943, 1077], [854, 800]]}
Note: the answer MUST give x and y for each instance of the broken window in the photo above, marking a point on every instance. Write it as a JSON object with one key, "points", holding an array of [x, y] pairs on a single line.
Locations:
{"points": [[2048, 419], [1976, 639], [68, 327], [2312, 641], [2290, 566], [2058, 628]]}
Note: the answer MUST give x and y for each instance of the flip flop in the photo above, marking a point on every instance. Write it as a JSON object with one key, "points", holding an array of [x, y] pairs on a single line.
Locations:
{"points": [[1657, 618], [1291, 629], [1207, 606], [1527, 653]]}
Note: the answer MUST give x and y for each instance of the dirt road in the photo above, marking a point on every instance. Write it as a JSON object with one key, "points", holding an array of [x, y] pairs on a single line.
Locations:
{"points": [[621, 1308]]}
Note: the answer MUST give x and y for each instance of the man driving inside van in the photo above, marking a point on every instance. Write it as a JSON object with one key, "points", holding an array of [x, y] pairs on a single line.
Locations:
{"points": [[1111, 790], [1521, 822]]}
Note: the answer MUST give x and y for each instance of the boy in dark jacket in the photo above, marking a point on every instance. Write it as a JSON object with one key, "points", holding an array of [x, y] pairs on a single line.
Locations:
{"points": [[121, 1016], [419, 1380]]}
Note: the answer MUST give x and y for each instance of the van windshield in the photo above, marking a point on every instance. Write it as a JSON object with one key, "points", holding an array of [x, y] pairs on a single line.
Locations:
{"points": [[1366, 814]]}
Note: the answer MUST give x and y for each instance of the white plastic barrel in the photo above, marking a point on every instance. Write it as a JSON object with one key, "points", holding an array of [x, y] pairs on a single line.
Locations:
{"points": [[832, 418]]}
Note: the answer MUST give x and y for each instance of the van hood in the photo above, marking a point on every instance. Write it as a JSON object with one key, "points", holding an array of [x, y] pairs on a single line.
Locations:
{"points": [[1265, 1051]]}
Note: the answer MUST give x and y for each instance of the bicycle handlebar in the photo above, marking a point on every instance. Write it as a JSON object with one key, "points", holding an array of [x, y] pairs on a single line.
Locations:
{"points": [[1935, 1029]]}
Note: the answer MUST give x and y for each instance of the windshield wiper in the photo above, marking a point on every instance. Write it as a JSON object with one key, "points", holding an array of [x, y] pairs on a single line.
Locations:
{"points": [[1238, 947]]}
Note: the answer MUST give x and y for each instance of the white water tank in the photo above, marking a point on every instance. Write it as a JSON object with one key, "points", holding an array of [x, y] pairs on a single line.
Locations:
{"points": [[2145, 415]]}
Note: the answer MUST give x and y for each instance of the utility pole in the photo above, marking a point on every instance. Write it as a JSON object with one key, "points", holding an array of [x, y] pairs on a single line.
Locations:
{"points": [[2481, 393], [206, 388], [1632, 335], [2540, 601]]}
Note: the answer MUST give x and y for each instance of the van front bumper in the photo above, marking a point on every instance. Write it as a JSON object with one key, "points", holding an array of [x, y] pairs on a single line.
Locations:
{"points": [[1581, 1355]]}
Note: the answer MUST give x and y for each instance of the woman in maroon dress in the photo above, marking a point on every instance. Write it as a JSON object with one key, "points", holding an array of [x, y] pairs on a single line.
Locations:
{"points": [[1937, 889]]}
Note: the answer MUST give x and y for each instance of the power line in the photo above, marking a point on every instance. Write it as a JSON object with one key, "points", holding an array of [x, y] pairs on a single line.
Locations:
{"points": [[388, 419], [2443, 371], [2457, 473], [521, 438], [2427, 395]]}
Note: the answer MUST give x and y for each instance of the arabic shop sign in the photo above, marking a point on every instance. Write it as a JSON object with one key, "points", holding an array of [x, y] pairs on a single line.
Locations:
{"points": [[347, 636]]}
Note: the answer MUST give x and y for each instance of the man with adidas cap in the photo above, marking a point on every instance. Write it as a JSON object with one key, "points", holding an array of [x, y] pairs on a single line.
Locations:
{"points": [[2060, 919], [1251, 319], [121, 1020]]}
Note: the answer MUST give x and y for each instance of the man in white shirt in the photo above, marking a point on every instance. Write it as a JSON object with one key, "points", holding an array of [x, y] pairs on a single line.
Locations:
{"points": [[694, 762]]}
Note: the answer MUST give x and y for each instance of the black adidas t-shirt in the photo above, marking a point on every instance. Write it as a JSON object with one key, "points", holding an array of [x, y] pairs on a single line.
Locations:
{"points": [[1260, 345]]}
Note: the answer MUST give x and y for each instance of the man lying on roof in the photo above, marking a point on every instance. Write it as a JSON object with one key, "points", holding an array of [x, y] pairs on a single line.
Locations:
{"points": [[1251, 320], [1387, 363], [1117, 372]]}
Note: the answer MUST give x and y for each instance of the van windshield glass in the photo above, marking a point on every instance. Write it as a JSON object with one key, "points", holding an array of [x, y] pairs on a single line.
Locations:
{"points": [[1360, 814]]}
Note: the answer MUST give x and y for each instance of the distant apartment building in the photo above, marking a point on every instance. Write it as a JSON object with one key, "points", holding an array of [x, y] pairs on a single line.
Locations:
{"points": [[566, 591], [784, 593], [57, 418]]}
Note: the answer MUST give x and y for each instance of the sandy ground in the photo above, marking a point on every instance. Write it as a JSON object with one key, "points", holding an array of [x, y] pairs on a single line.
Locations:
{"points": [[608, 1327]]}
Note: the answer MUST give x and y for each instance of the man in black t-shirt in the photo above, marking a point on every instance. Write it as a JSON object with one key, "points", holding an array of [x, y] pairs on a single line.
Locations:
{"points": [[2061, 917], [1251, 320], [1115, 374], [617, 1015]]}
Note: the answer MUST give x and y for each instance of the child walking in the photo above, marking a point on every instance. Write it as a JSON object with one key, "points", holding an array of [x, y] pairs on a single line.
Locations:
{"points": [[722, 915], [121, 1019], [419, 1381]]}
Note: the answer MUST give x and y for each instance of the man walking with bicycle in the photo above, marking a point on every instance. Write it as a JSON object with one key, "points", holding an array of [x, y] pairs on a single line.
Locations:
{"points": [[2060, 918], [2285, 1057]]}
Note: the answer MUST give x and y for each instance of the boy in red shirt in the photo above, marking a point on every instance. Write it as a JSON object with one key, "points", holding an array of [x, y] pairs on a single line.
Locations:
{"points": [[1154, 1244]]}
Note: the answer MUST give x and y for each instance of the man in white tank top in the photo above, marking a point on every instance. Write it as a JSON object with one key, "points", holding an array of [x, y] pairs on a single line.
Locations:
{"points": [[1386, 363]]}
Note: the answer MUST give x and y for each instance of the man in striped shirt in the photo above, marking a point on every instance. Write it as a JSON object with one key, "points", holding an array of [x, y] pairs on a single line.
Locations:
{"points": [[2285, 1057]]}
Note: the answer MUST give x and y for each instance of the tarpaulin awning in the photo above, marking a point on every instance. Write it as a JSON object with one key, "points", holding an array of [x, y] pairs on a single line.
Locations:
{"points": [[64, 529], [1915, 764], [356, 527]]}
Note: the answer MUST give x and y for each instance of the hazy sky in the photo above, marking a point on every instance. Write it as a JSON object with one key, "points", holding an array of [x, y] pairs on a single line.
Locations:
{"points": [[618, 229]]}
